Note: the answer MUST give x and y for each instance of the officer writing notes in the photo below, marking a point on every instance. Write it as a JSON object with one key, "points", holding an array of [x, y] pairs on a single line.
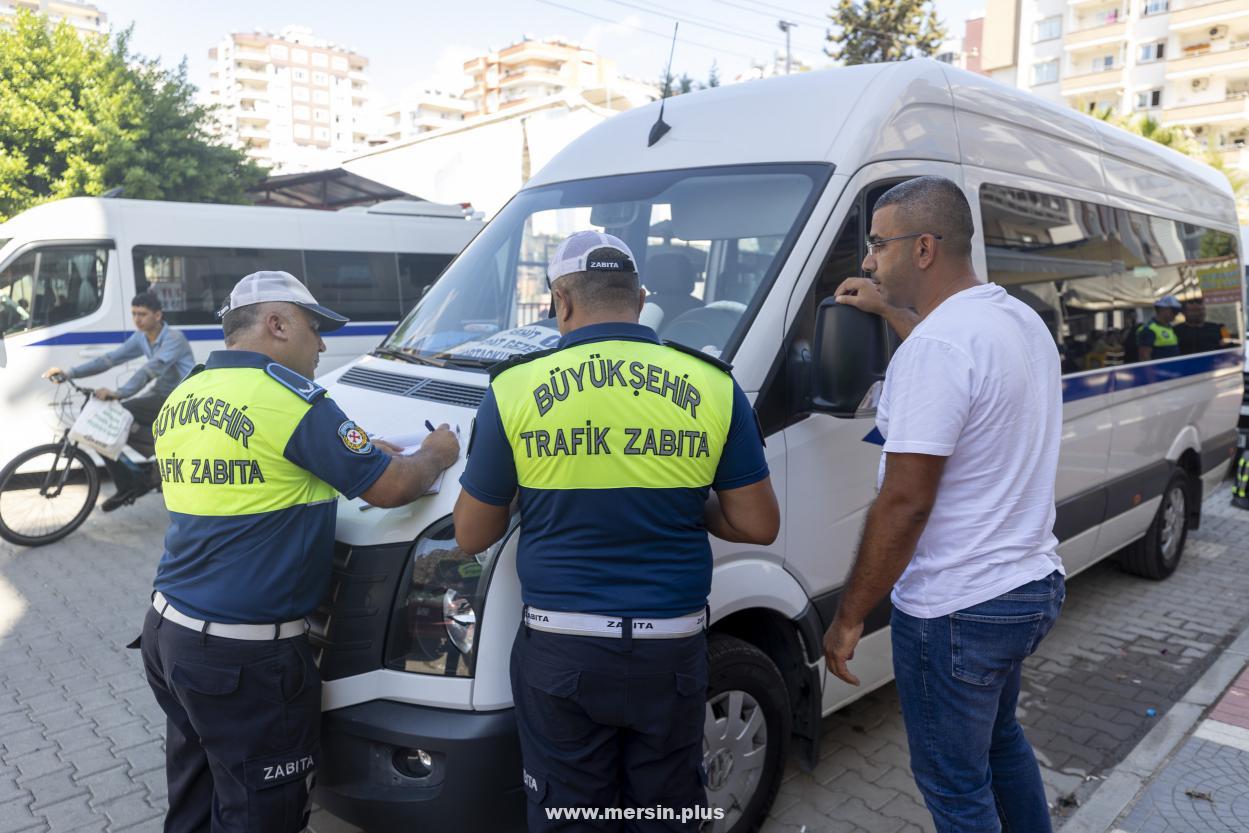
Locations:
{"points": [[253, 456], [614, 443]]}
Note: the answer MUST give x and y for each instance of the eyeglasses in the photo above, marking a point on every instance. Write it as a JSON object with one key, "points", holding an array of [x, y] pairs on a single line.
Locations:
{"points": [[874, 246]]}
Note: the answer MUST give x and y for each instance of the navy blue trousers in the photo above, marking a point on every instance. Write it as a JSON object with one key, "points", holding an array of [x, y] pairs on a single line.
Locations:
{"points": [[243, 730], [610, 723]]}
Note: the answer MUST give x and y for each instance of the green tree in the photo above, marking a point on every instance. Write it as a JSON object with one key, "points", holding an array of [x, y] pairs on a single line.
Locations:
{"points": [[713, 75], [685, 84], [873, 31], [82, 115]]}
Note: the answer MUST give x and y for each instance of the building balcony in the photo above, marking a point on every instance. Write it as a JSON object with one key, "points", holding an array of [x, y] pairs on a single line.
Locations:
{"points": [[250, 55], [1231, 109], [251, 132], [245, 73], [1107, 79], [1199, 61], [528, 76], [537, 51], [1196, 14], [1097, 35]]}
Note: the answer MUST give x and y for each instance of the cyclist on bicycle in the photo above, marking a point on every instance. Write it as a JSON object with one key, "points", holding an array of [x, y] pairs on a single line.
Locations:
{"points": [[169, 360]]}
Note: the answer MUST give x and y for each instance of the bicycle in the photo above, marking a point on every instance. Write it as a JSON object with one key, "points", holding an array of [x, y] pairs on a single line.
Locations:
{"points": [[46, 492]]}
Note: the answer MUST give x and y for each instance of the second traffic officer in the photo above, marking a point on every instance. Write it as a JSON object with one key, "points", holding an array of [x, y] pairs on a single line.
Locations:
{"points": [[614, 442]]}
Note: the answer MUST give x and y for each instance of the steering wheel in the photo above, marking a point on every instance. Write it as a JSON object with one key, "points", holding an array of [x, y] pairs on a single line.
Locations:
{"points": [[708, 326]]}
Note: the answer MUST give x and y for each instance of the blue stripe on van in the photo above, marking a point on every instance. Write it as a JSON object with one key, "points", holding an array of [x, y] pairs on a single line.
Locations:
{"points": [[208, 334], [1126, 377]]}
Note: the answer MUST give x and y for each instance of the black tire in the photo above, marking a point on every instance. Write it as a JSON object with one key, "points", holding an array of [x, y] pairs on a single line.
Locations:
{"points": [[742, 675], [1156, 555], [17, 523]]}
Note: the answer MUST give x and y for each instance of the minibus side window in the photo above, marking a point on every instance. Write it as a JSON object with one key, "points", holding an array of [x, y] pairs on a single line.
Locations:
{"points": [[51, 285], [193, 282], [417, 273], [364, 286]]}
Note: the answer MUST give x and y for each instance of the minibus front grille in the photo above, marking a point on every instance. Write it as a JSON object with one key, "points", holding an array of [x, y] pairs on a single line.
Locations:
{"points": [[414, 387]]}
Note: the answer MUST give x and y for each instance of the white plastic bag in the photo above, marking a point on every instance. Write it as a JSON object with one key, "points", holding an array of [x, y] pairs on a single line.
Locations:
{"points": [[102, 426]]}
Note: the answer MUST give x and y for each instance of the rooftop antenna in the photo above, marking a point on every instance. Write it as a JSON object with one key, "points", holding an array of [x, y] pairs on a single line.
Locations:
{"points": [[660, 127]]}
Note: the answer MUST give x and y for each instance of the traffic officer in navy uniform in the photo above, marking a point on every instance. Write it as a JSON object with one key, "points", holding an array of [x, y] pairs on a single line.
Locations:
{"points": [[614, 442], [252, 455]]}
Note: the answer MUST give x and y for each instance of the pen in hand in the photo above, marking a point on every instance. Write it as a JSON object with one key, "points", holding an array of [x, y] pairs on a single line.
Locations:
{"points": [[430, 426]]}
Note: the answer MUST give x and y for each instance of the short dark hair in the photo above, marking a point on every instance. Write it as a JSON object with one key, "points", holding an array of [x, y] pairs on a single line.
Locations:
{"points": [[148, 300], [602, 290], [240, 320], [935, 205], [1199, 301]]}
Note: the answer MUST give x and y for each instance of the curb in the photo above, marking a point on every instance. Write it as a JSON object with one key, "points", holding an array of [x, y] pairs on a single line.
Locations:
{"points": [[1131, 775]]}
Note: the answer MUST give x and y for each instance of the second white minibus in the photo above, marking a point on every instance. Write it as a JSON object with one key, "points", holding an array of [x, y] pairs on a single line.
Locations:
{"points": [[68, 270]]}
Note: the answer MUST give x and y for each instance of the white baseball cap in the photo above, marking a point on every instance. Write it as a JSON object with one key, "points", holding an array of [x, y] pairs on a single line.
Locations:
{"points": [[1169, 302], [590, 251], [264, 287]]}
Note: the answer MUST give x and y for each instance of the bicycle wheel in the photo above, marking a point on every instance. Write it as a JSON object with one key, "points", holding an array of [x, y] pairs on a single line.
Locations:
{"points": [[46, 493]]}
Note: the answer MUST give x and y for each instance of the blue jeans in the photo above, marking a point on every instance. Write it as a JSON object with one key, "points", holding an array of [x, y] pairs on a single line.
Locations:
{"points": [[958, 678]]}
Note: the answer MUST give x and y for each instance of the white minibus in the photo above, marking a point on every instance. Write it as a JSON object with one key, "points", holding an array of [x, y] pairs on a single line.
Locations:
{"points": [[744, 218], [68, 270]]}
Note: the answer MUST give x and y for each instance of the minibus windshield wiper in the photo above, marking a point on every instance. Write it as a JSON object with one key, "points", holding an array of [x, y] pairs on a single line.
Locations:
{"points": [[468, 361], [410, 358]]}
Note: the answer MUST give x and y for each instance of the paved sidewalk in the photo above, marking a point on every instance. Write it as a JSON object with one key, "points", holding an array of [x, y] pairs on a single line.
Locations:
{"points": [[1191, 773]]}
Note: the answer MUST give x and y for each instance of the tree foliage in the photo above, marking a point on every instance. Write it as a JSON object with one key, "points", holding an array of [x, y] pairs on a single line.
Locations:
{"points": [[872, 31], [82, 115]]}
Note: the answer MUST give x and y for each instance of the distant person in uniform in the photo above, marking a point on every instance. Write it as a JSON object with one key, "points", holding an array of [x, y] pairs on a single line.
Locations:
{"points": [[253, 456], [168, 360], [1195, 333], [1156, 339], [625, 454]]}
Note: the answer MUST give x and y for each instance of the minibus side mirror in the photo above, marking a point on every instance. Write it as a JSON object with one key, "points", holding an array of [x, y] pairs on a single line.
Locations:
{"points": [[849, 359]]}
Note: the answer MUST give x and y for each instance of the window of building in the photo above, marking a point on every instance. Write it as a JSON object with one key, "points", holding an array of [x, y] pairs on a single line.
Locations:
{"points": [[320, 59], [1155, 51], [302, 131], [1045, 72], [278, 52], [1048, 29], [320, 96], [299, 93], [321, 134], [363, 286], [1156, 7], [320, 115], [193, 282], [338, 62], [301, 111], [321, 78], [1149, 99], [300, 75], [51, 284], [1103, 63], [299, 56]]}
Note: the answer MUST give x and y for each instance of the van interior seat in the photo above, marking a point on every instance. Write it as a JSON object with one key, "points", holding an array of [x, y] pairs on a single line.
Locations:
{"points": [[669, 280]]}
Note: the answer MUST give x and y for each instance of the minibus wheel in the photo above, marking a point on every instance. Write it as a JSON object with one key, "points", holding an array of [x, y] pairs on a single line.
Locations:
{"points": [[1158, 554], [745, 734]]}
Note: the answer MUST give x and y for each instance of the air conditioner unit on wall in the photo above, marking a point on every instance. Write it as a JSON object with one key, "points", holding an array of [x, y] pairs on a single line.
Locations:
{"points": [[1218, 32], [1201, 83]]}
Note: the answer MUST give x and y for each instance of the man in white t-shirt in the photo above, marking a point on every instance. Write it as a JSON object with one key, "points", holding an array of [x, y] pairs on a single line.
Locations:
{"points": [[962, 527]]}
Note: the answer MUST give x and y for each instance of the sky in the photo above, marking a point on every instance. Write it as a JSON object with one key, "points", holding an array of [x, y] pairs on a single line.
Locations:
{"points": [[418, 44]]}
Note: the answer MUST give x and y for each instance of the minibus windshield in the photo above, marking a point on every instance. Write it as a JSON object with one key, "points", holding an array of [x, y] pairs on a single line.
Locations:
{"points": [[708, 243]]}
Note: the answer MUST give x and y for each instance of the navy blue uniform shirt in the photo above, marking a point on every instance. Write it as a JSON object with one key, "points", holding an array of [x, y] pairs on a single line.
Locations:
{"points": [[615, 552]]}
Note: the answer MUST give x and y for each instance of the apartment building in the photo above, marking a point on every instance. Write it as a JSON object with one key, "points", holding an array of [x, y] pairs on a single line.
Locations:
{"points": [[417, 112], [532, 70], [84, 17], [1183, 62], [296, 102], [965, 53]]}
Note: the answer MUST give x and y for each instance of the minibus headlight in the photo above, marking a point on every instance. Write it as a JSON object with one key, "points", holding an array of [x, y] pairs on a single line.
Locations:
{"points": [[434, 622]]}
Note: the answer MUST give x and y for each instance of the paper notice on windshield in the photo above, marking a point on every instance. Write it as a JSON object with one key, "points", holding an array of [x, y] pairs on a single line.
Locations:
{"points": [[510, 343]]}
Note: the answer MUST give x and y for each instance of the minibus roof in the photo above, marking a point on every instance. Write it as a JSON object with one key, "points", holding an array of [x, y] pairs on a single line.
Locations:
{"points": [[917, 109]]}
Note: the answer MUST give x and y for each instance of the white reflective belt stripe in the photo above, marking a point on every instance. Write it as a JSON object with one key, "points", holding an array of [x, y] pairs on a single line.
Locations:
{"points": [[590, 624], [255, 633]]}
